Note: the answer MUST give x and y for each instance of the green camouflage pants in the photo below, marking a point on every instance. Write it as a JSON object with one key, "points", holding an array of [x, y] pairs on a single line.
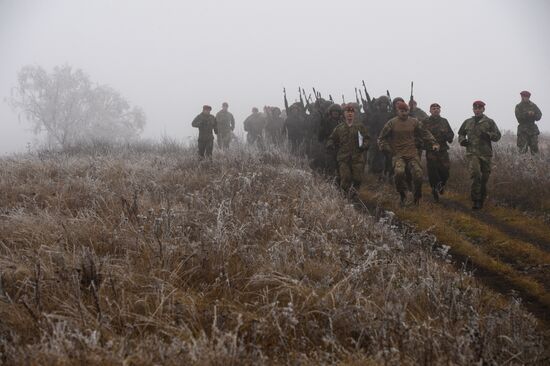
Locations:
{"points": [[351, 172], [438, 167], [224, 139], [205, 148], [407, 169], [480, 169], [528, 141]]}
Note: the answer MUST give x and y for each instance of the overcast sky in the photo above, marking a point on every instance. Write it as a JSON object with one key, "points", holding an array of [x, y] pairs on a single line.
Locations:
{"points": [[171, 57]]}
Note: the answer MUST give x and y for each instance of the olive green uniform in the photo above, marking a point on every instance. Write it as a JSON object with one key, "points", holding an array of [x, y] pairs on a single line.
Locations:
{"points": [[438, 161], [226, 124], [528, 131], [400, 138], [206, 123], [346, 141], [254, 126], [476, 134]]}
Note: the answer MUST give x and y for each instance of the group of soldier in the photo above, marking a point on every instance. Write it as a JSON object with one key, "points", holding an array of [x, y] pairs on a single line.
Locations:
{"points": [[386, 136]]}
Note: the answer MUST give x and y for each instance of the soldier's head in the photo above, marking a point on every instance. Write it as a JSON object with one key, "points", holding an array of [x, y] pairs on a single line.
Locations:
{"points": [[525, 95], [225, 106], [435, 110], [479, 108], [382, 101], [255, 110], [402, 109], [335, 111], [397, 100], [349, 113], [276, 111], [206, 109]]}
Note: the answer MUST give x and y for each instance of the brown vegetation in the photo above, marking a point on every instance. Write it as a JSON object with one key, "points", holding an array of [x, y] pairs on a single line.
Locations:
{"points": [[143, 255]]}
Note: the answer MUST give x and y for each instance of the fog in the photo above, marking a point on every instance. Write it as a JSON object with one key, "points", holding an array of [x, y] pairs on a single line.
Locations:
{"points": [[171, 57]]}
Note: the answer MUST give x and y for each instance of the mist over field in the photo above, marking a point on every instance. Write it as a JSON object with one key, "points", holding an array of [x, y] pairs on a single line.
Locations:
{"points": [[170, 57]]}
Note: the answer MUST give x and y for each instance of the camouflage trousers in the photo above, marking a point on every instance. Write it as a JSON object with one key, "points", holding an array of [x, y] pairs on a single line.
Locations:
{"points": [[480, 169], [528, 142], [438, 167], [224, 138], [350, 172], [405, 170], [205, 148]]}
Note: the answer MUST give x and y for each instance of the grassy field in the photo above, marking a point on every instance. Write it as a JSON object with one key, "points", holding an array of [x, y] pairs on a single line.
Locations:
{"points": [[143, 255]]}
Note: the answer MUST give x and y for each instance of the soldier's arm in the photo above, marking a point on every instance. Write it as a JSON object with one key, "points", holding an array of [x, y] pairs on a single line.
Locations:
{"points": [[425, 135], [462, 139], [517, 112], [494, 132], [383, 143], [450, 135], [232, 121], [333, 140], [196, 122], [366, 137]]}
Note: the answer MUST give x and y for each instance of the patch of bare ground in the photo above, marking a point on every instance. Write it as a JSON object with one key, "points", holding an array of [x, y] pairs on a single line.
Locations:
{"points": [[145, 255]]}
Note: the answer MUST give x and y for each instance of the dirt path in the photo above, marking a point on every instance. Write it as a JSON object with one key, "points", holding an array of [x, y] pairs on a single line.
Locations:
{"points": [[507, 250]]}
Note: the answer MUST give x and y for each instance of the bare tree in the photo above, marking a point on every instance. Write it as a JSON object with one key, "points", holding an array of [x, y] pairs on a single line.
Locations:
{"points": [[69, 108]]}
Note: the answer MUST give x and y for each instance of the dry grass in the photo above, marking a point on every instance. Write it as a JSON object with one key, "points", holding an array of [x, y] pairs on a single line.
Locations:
{"points": [[144, 255]]}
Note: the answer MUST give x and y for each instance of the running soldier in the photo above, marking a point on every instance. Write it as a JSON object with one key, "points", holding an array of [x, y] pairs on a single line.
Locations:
{"points": [[206, 123], [226, 125], [527, 113], [254, 126], [438, 161], [476, 135], [349, 140], [399, 137]]}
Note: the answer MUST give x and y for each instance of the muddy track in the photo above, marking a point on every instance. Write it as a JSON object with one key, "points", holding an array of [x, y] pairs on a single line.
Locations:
{"points": [[492, 279], [487, 218]]}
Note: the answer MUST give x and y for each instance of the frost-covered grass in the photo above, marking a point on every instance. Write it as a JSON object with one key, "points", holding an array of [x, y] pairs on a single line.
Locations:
{"points": [[145, 255]]}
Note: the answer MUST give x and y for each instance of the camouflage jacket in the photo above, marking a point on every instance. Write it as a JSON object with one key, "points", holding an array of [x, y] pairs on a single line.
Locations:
{"points": [[526, 122], [327, 126], [206, 123], [345, 140], [401, 137], [479, 135], [441, 131], [225, 121], [254, 124]]}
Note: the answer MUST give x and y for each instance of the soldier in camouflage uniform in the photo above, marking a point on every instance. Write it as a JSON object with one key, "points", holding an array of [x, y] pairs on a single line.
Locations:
{"points": [[274, 126], [226, 125], [416, 112], [254, 126], [399, 137], [349, 140], [206, 123], [334, 117], [295, 126], [527, 113], [438, 161], [378, 115], [476, 134]]}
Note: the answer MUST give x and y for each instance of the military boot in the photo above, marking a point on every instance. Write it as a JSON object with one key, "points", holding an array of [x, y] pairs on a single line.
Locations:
{"points": [[402, 199], [477, 205], [435, 193]]}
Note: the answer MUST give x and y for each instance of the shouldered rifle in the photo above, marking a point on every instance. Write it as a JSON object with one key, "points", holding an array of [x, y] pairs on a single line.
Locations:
{"points": [[357, 98], [306, 98], [315, 93], [363, 101], [366, 92], [300, 94], [343, 99], [391, 101], [286, 100], [412, 97], [330, 98]]}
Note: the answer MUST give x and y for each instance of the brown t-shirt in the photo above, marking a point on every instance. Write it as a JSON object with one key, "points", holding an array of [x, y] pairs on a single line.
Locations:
{"points": [[400, 136]]}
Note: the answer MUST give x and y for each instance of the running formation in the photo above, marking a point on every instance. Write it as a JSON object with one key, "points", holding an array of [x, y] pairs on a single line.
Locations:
{"points": [[380, 136]]}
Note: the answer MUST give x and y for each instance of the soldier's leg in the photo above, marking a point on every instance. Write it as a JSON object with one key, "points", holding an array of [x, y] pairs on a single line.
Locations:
{"points": [[357, 170], [433, 168], [202, 148], [474, 169], [399, 174], [534, 144], [209, 147], [522, 142], [444, 168], [417, 177], [485, 168], [344, 170]]}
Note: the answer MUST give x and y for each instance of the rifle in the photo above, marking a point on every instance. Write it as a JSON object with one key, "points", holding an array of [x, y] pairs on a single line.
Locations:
{"points": [[300, 94], [363, 101], [357, 98], [330, 98], [343, 99], [315, 93], [389, 97], [306, 98], [366, 92], [286, 101], [411, 100]]}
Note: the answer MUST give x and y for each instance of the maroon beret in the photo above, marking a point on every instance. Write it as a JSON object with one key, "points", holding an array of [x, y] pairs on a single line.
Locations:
{"points": [[525, 93], [479, 103], [402, 106], [433, 105]]}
